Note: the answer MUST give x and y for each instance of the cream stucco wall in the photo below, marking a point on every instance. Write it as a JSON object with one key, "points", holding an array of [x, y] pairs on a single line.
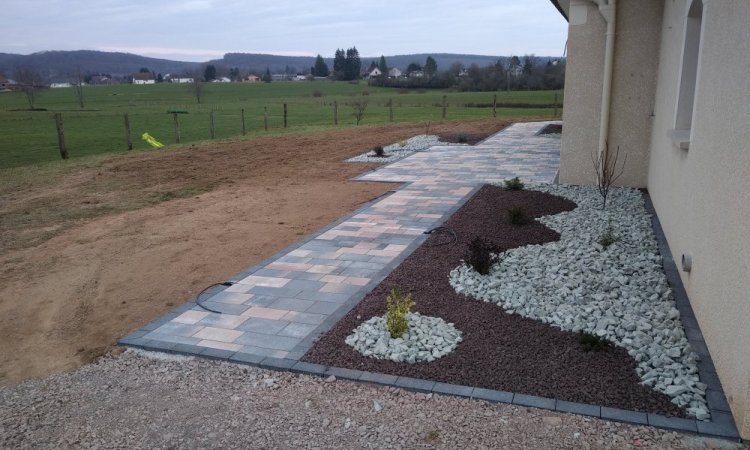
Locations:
{"points": [[702, 195], [637, 41]]}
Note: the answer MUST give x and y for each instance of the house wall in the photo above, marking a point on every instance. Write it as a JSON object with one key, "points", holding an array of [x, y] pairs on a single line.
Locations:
{"points": [[638, 30], [702, 195]]}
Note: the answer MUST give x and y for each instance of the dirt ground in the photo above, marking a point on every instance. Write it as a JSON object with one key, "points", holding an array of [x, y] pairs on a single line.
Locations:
{"points": [[91, 253]]}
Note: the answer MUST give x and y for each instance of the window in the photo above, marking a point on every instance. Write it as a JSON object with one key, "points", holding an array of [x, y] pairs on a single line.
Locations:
{"points": [[690, 56]]}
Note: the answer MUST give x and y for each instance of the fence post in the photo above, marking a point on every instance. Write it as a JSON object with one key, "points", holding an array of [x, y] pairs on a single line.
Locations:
{"points": [[555, 104], [284, 115], [176, 128], [128, 140], [243, 121], [390, 109], [494, 106], [335, 112], [211, 124], [444, 105], [61, 136]]}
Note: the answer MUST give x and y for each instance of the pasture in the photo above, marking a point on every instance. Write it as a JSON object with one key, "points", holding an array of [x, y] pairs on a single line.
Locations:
{"points": [[30, 137]]}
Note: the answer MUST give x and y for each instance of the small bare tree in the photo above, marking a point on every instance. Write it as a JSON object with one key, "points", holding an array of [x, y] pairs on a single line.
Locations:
{"points": [[607, 172], [358, 109], [78, 88], [29, 79], [197, 85]]}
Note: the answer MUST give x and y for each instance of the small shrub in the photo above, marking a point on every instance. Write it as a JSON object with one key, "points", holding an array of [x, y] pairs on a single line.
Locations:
{"points": [[592, 343], [514, 184], [398, 307], [317, 94], [608, 238], [518, 216], [462, 138], [480, 256], [379, 152]]}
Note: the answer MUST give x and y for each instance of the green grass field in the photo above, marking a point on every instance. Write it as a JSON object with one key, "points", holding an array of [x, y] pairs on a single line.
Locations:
{"points": [[27, 137]]}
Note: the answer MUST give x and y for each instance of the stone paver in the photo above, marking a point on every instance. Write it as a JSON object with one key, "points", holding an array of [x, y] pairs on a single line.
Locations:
{"points": [[277, 308]]}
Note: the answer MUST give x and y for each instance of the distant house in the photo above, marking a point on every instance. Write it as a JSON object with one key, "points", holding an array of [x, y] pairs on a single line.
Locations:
{"points": [[416, 74], [375, 73], [394, 73], [59, 85], [251, 79], [463, 73], [100, 80], [181, 80], [300, 78], [6, 84], [143, 78], [222, 80], [281, 77]]}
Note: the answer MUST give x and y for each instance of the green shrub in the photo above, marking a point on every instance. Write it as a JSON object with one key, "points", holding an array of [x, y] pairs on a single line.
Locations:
{"points": [[480, 256], [317, 94], [514, 184], [608, 238], [518, 216], [398, 307], [379, 152], [462, 138], [592, 343]]}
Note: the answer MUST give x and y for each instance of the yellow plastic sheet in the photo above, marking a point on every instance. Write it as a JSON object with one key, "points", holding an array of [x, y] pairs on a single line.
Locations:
{"points": [[153, 142]]}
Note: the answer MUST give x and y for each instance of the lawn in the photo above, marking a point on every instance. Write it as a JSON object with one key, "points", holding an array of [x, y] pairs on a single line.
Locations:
{"points": [[30, 137]]}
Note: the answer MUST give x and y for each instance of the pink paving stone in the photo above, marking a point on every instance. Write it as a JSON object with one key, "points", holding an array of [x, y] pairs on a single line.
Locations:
{"points": [[332, 287], [291, 267], [396, 247], [367, 245], [217, 334], [219, 345], [390, 253], [333, 279], [357, 281], [299, 252], [265, 313], [356, 251], [318, 268], [190, 317]]}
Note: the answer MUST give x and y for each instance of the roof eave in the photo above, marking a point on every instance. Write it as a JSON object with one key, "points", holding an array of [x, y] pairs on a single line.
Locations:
{"points": [[559, 8]]}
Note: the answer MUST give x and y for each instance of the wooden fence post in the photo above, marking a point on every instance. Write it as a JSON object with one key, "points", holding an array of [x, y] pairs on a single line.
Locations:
{"points": [[390, 109], [265, 117], [128, 140], [494, 106], [335, 112], [284, 115], [176, 128], [211, 124], [243, 121], [444, 105], [61, 136]]}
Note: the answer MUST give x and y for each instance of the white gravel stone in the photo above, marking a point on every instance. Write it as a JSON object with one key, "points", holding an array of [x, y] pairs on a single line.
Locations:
{"points": [[428, 339], [396, 152], [620, 293]]}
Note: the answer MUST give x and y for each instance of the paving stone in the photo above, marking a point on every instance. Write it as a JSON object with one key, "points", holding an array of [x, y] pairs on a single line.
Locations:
{"points": [[378, 378], [578, 408], [301, 317], [309, 368], [277, 364], [672, 423], [621, 415], [267, 341], [492, 395], [263, 326], [415, 384], [452, 389], [717, 401], [292, 304], [297, 330], [323, 308], [246, 358], [347, 374]]}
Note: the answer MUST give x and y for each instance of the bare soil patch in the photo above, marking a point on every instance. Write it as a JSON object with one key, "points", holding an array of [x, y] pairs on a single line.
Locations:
{"points": [[93, 251], [500, 350]]}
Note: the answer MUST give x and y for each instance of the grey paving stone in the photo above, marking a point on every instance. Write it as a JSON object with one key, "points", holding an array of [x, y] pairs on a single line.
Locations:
{"points": [[723, 430], [265, 272], [186, 349], [174, 338], [415, 384], [534, 401], [297, 330], [323, 307], [340, 372], [158, 345], [717, 401], [233, 298], [247, 358], [262, 300], [378, 378], [380, 259], [305, 285], [355, 257], [306, 276], [274, 291], [621, 415], [365, 265], [693, 334], [711, 379], [309, 368], [263, 326], [216, 353], [579, 408], [672, 423], [331, 297], [277, 364], [264, 352], [226, 308], [267, 341], [302, 317], [292, 304], [363, 273], [452, 389]]}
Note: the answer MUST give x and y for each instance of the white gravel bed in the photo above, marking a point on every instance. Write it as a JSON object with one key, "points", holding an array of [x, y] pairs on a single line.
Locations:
{"points": [[428, 339], [619, 293], [395, 152], [130, 401]]}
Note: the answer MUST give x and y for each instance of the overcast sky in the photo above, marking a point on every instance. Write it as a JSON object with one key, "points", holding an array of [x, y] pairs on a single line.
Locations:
{"points": [[198, 30]]}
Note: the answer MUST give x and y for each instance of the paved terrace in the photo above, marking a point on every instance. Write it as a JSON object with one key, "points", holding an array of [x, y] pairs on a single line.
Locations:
{"points": [[276, 310]]}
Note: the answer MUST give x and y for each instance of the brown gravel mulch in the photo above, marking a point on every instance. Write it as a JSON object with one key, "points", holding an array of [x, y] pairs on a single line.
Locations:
{"points": [[500, 350]]}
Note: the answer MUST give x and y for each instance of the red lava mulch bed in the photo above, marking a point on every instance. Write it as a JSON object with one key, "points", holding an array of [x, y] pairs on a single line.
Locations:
{"points": [[499, 350]]}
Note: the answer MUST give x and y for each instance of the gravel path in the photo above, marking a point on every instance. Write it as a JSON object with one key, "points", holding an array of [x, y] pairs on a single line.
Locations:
{"points": [[133, 400]]}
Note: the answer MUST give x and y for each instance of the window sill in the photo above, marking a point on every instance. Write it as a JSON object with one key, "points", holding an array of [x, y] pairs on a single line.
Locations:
{"points": [[680, 138]]}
